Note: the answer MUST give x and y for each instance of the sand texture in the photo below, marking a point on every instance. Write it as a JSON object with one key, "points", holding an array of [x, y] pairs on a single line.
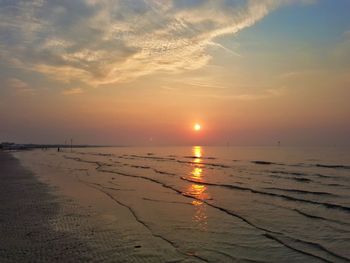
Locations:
{"points": [[37, 225]]}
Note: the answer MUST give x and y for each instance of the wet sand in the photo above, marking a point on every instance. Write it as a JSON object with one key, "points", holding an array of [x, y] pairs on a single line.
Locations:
{"points": [[40, 224], [131, 205], [32, 220]]}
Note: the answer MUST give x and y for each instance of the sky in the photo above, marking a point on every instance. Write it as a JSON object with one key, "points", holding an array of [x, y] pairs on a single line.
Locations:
{"points": [[143, 72]]}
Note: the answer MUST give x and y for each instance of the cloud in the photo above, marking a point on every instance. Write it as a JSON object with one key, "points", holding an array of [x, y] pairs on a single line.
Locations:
{"points": [[19, 86], [168, 88], [104, 42], [341, 52], [72, 91], [265, 93], [17, 83]]}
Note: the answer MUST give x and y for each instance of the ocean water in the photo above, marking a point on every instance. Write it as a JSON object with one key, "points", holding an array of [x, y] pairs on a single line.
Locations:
{"points": [[223, 204]]}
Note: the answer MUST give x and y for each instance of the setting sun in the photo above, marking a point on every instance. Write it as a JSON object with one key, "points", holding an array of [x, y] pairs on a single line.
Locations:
{"points": [[197, 127]]}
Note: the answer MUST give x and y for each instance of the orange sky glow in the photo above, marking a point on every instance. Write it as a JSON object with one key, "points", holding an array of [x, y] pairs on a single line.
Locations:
{"points": [[249, 72]]}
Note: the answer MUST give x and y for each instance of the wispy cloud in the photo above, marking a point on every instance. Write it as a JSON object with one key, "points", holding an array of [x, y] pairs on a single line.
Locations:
{"points": [[341, 51], [19, 86], [168, 88], [104, 42], [17, 83], [268, 93], [265, 93], [72, 91]]}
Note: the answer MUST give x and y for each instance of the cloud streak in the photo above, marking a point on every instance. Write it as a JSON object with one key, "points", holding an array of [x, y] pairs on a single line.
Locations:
{"points": [[104, 42], [19, 87], [72, 91]]}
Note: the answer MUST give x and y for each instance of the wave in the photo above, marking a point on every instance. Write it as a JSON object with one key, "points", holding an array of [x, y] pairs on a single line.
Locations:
{"points": [[300, 174], [334, 166], [196, 157], [308, 180], [319, 217], [287, 197], [285, 172], [265, 163], [258, 162], [148, 168], [319, 165], [215, 165], [266, 232], [297, 191], [298, 179], [152, 157]]}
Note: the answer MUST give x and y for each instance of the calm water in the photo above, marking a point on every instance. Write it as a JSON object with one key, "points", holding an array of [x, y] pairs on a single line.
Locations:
{"points": [[226, 204]]}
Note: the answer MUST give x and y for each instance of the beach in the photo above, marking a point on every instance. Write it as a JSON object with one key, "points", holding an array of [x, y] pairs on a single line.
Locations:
{"points": [[189, 204], [33, 220], [39, 225]]}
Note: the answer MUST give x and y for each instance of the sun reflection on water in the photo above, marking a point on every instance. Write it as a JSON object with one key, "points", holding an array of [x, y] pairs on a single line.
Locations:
{"points": [[197, 151], [198, 191], [197, 173]]}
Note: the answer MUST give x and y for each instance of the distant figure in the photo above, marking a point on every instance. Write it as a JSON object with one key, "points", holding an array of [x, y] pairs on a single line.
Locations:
{"points": [[58, 149]]}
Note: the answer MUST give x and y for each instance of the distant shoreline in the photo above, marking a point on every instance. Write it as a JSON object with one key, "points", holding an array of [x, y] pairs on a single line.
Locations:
{"points": [[48, 146]]}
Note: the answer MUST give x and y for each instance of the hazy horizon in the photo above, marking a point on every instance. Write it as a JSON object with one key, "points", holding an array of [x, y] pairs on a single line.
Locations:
{"points": [[143, 73]]}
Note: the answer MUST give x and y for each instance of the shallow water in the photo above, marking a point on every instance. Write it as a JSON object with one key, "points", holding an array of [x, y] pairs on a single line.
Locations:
{"points": [[223, 204]]}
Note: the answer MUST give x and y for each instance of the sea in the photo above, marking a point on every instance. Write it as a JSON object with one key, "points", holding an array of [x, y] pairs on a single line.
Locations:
{"points": [[225, 204]]}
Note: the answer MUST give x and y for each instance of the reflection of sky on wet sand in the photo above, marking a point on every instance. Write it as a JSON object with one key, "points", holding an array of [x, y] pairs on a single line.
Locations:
{"points": [[150, 184], [198, 190]]}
